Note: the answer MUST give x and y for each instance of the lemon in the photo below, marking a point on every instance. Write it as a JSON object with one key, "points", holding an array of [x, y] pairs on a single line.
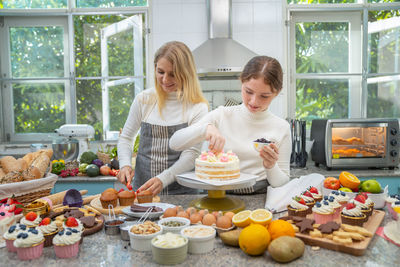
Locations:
{"points": [[242, 219], [261, 216], [396, 209], [254, 239]]}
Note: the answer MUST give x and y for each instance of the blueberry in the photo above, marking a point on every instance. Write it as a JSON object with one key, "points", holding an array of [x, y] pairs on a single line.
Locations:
{"points": [[331, 198], [318, 204], [2, 213], [342, 193], [24, 235], [74, 230], [61, 233], [12, 229], [34, 231], [397, 202], [68, 229], [22, 227], [19, 235], [325, 197], [325, 202], [68, 233]]}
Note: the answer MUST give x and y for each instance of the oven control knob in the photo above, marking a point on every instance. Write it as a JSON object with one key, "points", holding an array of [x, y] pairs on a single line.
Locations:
{"points": [[393, 153], [393, 131], [393, 142]]}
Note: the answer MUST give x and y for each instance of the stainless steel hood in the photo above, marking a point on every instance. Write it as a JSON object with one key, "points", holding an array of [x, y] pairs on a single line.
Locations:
{"points": [[220, 57]]}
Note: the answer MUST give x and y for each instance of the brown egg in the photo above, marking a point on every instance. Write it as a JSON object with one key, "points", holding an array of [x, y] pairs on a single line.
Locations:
{"points": [[203, 212], [209, 219], [224, 222], [195, 217], [215, 213], [183, 214], [170, 212], [189, 210], [230, 214], [178, 208]]}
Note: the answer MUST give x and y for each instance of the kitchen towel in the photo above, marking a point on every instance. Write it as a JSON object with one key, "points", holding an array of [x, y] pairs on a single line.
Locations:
{"points": [[279, 197]]}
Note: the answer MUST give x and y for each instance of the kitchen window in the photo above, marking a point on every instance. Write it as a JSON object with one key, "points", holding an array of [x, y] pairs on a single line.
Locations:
{"points": [[70, 62], [343, 59]]}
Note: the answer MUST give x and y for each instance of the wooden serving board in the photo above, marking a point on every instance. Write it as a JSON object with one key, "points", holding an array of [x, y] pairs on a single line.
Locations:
{"points": [[95, 203], [357, 248]]}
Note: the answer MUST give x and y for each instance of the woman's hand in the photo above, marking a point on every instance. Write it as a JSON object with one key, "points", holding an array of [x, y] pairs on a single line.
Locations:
{"points": [[215, 139], [269, 155], [125, 175], [154, 185]]}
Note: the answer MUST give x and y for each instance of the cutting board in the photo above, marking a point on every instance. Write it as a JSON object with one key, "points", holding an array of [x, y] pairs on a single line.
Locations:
{"points": [[357, 248], [95, 203]]}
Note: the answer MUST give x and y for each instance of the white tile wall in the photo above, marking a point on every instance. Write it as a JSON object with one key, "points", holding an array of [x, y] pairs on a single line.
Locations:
{"points": [[256, 24]]}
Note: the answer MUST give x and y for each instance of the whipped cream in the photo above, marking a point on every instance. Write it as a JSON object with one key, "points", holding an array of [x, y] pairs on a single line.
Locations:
{"points": [[12, 232], [296, 205], [391, 199], [48, 229], [332, 202], [169, 240], [316, 195], [28, 238], [369, 202], [31, 223], [68, 236], [363, 206], [354, 212], [221, 157], [322, 208], [340, 196], [307, 199], [79, 227], [4, 213]]}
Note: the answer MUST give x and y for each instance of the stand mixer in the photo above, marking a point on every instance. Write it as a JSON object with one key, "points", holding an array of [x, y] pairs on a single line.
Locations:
{"points": [[80, 132]]}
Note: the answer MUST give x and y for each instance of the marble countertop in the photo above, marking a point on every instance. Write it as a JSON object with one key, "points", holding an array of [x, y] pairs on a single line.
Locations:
{"points": [[102, 250]]}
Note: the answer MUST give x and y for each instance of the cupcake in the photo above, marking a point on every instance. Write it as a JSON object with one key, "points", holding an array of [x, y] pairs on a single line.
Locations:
{"points": [[31, 219], [340, 197], [322, 212], [308, 198], [335, 205], [396, 210], [29, 244], [111, 190], [73, 223], [352, 214], [315, 194], [145, 196], [368, 201], [11, 234], [7, 219], [108, 198], [359, 200], [126, 198], [66, 243], [49, 230], [297, 207]]}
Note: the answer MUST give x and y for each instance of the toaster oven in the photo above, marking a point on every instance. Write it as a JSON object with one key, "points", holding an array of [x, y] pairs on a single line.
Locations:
{"points": [[370, 143]]}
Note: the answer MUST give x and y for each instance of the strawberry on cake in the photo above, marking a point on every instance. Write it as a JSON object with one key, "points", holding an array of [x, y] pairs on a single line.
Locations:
{"points": [[223, 166]]}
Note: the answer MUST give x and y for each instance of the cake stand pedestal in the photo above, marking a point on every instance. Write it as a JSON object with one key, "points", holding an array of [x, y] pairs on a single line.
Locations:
{"points": [[216, 199]]}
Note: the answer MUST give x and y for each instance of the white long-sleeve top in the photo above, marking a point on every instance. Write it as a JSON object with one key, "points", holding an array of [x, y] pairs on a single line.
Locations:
{"points": [[145, 109], [240, 128]]}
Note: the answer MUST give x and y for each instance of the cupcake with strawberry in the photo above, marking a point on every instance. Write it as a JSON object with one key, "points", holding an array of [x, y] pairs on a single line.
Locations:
{"points": [[315, 193], [11, 234], [73, 223], [66, 243], [29, 244], [335, 205], [49, 230], [340, 197], [322, 212], [368, 200], [308, 198], [10, 210], [297, 207], [31, 219], [352, 214], [360, 201]]}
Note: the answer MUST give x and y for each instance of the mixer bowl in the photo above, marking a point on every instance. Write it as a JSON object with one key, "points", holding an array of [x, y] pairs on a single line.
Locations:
{"points": [[67, 150]]}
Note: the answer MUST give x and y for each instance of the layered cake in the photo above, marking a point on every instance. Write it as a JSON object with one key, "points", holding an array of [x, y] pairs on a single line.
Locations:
{"points": [[224, 166]]}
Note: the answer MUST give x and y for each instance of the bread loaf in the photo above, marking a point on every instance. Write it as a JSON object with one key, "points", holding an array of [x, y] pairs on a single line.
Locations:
{"points": [[31, 173], [9, 164], [11, 177], [28, 158], [2, 173], [41, 163], [22, 165]]}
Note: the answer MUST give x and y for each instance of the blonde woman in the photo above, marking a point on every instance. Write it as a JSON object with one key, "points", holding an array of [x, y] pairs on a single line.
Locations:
{"points": [[175, 103]]}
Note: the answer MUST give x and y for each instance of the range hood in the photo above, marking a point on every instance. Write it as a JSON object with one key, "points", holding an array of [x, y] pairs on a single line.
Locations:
{"points": [[220, 57]]}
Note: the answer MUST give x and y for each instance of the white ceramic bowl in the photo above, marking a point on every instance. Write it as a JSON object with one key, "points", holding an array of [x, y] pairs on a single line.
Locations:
{"points": [[169, 256], [199, 244], [174, 229], [258, 145], [142, 242]]}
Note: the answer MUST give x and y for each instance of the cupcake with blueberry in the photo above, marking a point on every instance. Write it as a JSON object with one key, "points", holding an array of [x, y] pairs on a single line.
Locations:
{"points": [[390, 203], [74, 223], [308, 198], [49, 230], [340, 197], [322, 212], [31, 219], [352, 214], [29, 244], [297, 207], [315, 193], [11, 234], [360, 201], [335, 205], [66, 243]]}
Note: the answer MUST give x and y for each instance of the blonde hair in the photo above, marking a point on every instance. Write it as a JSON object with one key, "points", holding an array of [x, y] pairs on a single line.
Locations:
{"points": [[179, 55]]}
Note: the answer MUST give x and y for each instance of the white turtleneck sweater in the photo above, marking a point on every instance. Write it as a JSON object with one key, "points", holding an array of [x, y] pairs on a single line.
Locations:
{"points": [[240, 128], [145, 109]]}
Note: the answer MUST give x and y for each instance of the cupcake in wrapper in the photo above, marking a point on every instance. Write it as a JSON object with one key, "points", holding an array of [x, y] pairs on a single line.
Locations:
{"points": [[66, 243], [298, 207], [352, 214], [11, 234], [308, 198], [126, 198], [145, 197], [29, 244], [341, 198], [315, 193], [31, 219], [335, 205], [49, 229], [109, 198], [322, 212], [360, 201], [391, 203]]}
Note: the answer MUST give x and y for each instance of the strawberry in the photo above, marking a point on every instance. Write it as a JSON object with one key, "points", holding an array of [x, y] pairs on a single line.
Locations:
{"points": [[11, 208], [71, 222], [364, 194], [313, 190], [308, 194], [360, 198], [350, 206], [4, 200], [129, 186], [45, 221], [17, 211], [300, 200], [31, 216], [121, 190]]}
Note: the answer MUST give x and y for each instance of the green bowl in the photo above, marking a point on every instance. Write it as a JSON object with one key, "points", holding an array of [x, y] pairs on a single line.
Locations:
{"points": [[169, 256]]}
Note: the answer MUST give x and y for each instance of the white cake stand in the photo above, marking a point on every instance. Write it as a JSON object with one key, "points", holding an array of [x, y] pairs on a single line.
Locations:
{"points": [[216, 199]]}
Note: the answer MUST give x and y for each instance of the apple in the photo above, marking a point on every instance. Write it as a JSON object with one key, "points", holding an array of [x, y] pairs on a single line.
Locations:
{"points": [[371, 186], [332, 183], [345, 189]]}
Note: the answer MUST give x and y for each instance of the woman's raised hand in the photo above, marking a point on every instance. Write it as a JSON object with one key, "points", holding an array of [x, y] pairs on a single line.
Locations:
{"points": [[125, 175], [269, 154], [154, 185], [215, 140]]}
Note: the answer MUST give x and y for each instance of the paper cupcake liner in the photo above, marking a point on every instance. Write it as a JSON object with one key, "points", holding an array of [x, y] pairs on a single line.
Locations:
{"points": [[294, 212], [336, 214], [105, 204], [322, 218], [10, 245], [126, 201], [30, 253], [68, 251], [367, 213], [48, 239], [394, 214], [352, 220]]}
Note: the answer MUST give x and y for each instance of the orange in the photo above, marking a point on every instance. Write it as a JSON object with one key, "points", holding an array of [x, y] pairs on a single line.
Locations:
{"points": [[261, 216], [254, 239], [349, 180], [242, 219], [279, 228]]}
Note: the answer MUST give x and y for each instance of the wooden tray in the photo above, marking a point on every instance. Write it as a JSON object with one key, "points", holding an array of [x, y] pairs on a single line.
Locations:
{"points": [[95, 203], [357, 248]]}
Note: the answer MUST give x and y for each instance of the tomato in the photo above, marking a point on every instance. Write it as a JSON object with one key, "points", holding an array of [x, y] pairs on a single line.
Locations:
{"points": [[105, 170], [114, 172]]}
